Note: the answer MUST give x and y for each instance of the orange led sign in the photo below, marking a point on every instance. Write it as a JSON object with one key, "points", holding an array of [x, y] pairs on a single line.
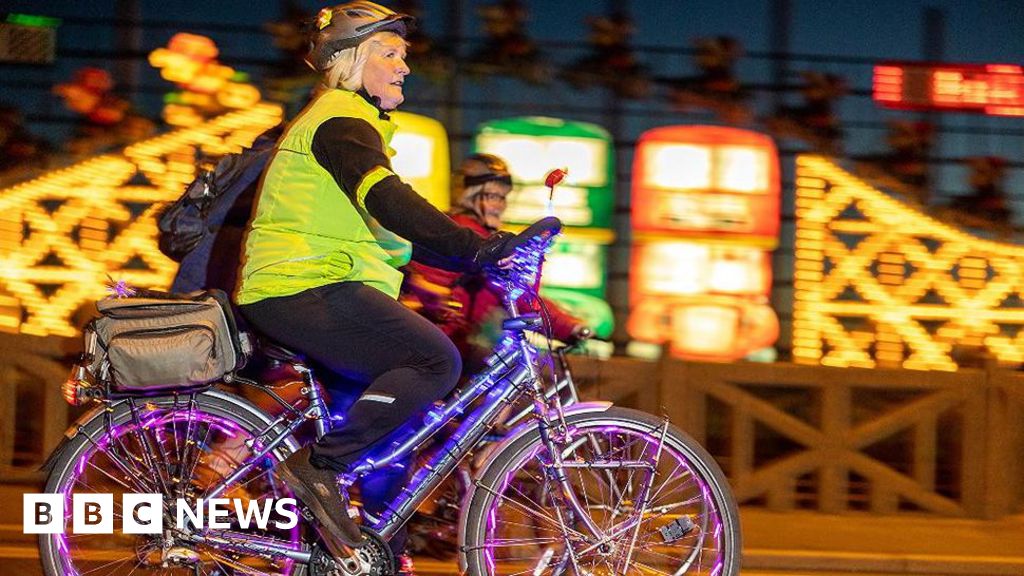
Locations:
{"points": [[993, 89], [706, 181], [705, 216]]}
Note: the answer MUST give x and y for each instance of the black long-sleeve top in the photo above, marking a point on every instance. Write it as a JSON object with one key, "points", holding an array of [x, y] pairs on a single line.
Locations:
{"points": [[349, 149]]}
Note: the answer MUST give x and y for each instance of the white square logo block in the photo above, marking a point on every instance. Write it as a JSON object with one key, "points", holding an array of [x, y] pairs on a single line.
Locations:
{"points": [[43, 513], [143, 514], [93, 513]]}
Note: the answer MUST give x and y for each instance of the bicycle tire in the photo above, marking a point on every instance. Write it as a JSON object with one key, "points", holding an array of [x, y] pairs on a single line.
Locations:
{"points": [[506, 484], [92, 433]]}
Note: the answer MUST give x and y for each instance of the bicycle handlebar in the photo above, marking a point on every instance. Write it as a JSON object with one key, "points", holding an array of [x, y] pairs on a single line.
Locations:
{"points": [[518, 268]]}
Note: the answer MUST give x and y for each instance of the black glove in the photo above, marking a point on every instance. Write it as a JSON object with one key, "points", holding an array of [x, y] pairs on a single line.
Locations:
{"points": [[501, 245], [492, 249]]}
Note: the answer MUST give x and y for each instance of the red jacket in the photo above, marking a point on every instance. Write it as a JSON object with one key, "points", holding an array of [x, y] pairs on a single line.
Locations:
{"points": [[461, 304]]}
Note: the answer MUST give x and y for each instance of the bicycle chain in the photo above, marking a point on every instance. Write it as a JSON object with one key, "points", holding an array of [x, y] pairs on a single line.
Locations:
{"points": [[373, 559]]}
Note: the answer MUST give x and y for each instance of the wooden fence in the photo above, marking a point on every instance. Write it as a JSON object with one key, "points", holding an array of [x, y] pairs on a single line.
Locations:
{"points": [[838, 440], [33, 414], [789, 437]]}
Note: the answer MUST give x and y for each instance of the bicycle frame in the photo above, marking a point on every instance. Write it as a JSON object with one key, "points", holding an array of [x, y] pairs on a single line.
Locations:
{"points": [[511, 373]]}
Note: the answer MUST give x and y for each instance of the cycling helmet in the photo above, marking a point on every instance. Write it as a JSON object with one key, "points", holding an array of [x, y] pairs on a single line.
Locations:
{"points": [[478, 169], [347, 25]]}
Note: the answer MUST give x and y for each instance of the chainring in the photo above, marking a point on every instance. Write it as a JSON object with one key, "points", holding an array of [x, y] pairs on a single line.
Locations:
{"points": [[373, 559]]}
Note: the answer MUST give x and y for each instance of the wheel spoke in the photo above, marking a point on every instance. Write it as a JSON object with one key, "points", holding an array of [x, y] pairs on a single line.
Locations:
{"points": [[632, 504], [164, 442]]}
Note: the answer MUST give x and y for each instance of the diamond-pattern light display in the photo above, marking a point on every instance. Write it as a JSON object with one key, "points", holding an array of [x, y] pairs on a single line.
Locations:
{"points": [[63, 233], [878, 283]]}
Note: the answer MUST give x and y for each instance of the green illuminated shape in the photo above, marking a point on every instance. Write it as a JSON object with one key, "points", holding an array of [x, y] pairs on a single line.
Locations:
{"points": [[586, 201], [33, 20], [600, 197], [577, 265], [593, 311]]}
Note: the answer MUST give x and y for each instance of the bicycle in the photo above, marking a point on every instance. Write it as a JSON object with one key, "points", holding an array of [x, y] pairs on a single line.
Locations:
{"points": [[587, 488]]}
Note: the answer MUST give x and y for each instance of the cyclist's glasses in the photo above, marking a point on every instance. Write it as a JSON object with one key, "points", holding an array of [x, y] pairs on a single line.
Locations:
{"points": [[493, 197]]}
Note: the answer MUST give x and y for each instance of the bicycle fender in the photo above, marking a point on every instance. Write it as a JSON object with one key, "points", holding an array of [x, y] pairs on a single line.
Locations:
{"points": [[80, 425], [73, 430]]}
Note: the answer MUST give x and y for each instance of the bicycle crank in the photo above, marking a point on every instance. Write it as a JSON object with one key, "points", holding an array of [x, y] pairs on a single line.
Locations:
{"points": [[372, 559]]}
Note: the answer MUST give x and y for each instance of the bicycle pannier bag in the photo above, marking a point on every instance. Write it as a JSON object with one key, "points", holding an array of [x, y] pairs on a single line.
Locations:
{"points": [[159, 343]]}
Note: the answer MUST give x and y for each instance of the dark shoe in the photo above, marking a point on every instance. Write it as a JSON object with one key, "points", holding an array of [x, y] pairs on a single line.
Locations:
{"points": [[318, 490]]}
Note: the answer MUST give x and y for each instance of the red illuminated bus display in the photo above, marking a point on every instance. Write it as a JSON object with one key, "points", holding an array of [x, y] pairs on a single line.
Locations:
{"points": [[993, 89]]}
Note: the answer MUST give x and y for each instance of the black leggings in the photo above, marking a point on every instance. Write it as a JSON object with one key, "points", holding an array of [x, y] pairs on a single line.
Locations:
{"points": [[405, 362]]}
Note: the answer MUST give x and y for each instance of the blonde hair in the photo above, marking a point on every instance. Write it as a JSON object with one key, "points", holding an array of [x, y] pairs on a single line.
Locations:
{"points": [[346, 69]]}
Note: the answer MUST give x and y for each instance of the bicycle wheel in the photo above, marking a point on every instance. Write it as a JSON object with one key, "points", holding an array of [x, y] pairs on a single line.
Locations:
{"points": [[518, 521], [179, 449]]}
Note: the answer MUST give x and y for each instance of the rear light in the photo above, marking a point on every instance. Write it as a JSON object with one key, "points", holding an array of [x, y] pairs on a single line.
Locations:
{"points": [[76, 389], [70, 391]]}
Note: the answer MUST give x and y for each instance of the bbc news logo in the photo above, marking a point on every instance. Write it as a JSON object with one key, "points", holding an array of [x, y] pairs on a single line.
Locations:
{"points": [[144, 513]]}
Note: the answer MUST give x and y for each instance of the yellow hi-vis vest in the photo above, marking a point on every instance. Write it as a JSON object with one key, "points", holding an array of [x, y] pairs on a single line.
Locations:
{"points": [[306, 231]]}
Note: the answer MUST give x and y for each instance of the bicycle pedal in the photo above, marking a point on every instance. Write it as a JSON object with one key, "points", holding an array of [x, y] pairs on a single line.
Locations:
{"points": [[677, 529]]}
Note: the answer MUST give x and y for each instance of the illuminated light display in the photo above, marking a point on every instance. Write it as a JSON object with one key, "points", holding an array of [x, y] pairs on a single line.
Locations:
{"points": [[878, 283], [576, 265], [210, 88], [533, 146], [63, 233], [576, 269], [421, 157], [705, 218], [696, 180], [33, 20], [675, 285], [705, 330], [993, 89]]}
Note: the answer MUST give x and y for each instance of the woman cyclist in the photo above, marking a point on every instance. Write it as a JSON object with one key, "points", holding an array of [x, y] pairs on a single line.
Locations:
{"points": [[316, 276]]}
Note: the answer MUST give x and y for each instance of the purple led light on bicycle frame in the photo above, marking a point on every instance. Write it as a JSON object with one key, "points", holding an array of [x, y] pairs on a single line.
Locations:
{"points": [[524, 272]]}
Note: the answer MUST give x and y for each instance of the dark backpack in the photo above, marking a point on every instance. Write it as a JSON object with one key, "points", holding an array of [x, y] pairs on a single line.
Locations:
{"points": [[204, 228]]}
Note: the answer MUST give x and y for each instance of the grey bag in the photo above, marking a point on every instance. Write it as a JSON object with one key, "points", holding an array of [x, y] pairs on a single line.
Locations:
{"points": [[161, 343]]}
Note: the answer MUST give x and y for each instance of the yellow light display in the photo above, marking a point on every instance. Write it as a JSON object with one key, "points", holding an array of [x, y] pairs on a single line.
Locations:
{"points": [[63, 233], [877, 283], [190, 61], [422, 158]]}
